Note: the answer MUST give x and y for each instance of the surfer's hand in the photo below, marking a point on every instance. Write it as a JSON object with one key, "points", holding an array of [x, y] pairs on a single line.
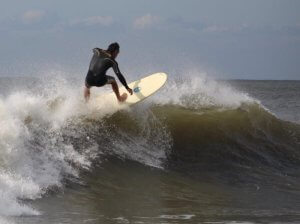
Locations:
{"points": [[130, 91]]}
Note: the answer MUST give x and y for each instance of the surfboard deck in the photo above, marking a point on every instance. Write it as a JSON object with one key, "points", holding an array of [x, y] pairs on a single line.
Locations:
{"points": [[141, 88]]}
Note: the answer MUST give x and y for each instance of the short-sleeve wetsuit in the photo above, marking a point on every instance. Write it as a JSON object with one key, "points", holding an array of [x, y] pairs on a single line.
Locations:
{"points": [[100, 63]]}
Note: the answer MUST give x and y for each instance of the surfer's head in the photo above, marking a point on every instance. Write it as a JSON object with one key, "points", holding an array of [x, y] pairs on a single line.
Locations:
{"points": [[113, 49]]}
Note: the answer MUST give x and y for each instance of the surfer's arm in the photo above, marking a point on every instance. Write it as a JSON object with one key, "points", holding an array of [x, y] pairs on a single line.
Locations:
{"points": [[119, 74]]}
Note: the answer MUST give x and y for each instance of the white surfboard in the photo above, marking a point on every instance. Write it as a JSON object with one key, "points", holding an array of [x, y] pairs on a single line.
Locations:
{"points": [[142, 89]]}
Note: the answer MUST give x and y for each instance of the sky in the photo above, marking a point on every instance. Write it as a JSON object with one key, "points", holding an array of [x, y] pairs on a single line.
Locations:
{"points": [[234, 39]]}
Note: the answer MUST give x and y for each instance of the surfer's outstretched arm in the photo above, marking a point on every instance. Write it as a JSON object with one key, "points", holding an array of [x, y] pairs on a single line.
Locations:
{"points": [[121, 77]]}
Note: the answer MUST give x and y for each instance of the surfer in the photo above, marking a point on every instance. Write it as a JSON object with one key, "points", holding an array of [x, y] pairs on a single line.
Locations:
{"points": [[101, 61]]}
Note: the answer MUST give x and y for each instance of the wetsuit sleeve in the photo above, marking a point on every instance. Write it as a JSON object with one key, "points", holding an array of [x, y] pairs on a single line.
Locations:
{"points": [[119, 74]]}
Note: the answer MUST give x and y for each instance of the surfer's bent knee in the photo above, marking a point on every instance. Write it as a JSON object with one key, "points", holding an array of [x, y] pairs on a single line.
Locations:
{"points": [[110, 80]]}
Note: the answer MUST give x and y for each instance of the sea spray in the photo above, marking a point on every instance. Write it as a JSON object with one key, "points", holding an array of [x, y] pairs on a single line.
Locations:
{"points": [[33, 155], [50, 136], [201, 91]]}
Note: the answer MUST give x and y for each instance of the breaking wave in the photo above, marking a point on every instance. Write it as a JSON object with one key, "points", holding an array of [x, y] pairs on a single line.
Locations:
{"points": [[48, 137]]}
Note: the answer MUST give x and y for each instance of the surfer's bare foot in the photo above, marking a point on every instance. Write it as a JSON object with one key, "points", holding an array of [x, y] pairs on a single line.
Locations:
{"points": [[123, 97]]}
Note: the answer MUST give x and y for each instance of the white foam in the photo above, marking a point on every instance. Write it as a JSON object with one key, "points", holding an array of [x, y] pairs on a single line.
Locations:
{"points": [[29, 169], [198, 90], [6, 220], [34, 156], [175, 217], [13, 187]]}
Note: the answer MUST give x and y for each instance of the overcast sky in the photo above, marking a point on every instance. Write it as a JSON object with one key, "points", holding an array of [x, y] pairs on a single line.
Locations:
{"points": [[253, 39]]}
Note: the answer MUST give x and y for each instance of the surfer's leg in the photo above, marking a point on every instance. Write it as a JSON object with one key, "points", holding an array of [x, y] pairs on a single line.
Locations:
{"points": [[87, 93], [115, 88], [89, 82]]}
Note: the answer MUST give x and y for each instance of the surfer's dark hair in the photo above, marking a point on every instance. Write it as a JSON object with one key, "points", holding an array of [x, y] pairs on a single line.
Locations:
{"points": [[113, 47]]}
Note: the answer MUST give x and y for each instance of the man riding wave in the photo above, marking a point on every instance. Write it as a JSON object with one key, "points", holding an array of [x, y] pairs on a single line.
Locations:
{"points": [[101, 61]]}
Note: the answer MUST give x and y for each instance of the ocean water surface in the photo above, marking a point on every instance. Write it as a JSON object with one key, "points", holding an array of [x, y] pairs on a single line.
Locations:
{"points": [[198, 151]]}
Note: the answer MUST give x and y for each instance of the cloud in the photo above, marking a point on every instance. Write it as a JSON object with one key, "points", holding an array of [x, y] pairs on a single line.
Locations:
{"points": [[145, 21], [33, 16], [93, 21]]}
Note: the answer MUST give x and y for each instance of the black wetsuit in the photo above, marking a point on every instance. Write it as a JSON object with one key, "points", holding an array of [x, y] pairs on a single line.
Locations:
{"points": [[100, 63]]}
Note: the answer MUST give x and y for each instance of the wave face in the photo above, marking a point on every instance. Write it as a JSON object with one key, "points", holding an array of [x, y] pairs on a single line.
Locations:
{"points": [[232, 142], [197, 127]]}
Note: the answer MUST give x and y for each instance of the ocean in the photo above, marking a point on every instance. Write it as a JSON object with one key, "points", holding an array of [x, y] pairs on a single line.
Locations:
{"points": [[198, 151]]}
